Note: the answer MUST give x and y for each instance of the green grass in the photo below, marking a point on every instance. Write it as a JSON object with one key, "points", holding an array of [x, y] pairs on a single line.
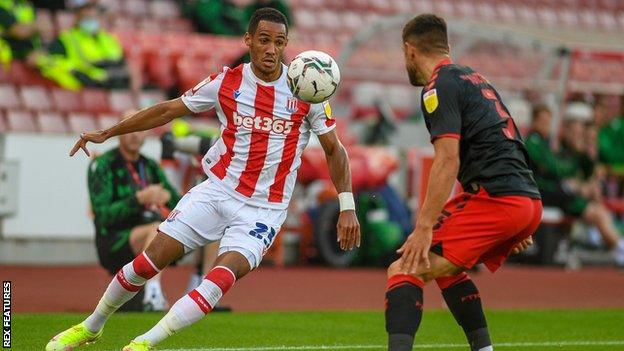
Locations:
{"points": [[511, 330]]}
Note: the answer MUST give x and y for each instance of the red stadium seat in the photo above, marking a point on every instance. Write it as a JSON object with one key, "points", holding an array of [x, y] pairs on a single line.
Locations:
{"points": [[81, 122], [9, 98], [137, 8], [66, 100], [121, 101], [51, 122], [106, 120], [113, 7], [35, 98], [148, 98], [21, 121], [94, 100], [165, 9], [22, 75]]}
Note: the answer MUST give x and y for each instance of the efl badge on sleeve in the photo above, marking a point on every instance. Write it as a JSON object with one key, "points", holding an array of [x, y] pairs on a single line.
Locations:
{"points": [[291, 104], [328, 110], [430, 99]]}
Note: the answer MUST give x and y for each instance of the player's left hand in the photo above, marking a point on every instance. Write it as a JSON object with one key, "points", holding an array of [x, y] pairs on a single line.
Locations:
{"points": [[94, 137], [523, 245], [348, 230], [415, 250]]}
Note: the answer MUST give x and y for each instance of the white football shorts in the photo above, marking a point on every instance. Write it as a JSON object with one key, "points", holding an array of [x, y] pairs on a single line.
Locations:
{"points": [[207, 213]]}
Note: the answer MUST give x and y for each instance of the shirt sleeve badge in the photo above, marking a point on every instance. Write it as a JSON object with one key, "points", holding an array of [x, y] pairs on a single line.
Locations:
{"points": [[430, 98]]}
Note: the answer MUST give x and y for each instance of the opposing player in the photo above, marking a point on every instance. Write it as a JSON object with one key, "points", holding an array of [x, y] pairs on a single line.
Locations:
{"points": [[252, 171], [475, 141]]}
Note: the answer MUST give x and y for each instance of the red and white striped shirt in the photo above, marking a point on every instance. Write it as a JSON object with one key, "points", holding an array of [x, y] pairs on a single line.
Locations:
{"points": [[264, 130]]}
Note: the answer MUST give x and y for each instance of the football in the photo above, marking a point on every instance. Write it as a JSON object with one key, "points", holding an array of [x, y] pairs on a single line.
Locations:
{"points": [[313, 76]]}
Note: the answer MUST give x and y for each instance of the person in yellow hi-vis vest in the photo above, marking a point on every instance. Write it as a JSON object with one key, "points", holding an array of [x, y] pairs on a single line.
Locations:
{"points": [[93, 56], [5, 55], [19, 31]]}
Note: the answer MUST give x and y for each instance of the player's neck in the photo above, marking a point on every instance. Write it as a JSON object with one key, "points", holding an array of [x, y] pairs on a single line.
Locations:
{"points": [[129, 155], [273, 76], [432, 64]]}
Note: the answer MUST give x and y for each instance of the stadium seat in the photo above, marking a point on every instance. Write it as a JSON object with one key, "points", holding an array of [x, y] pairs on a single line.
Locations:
{"points": [[164, 9], [121, 101], [51, 122], [81, 122], [113, 7], [148, 98], [22, 75], [94, 100], [9, 98], [35, 98], [20, 121], [66, 100], [137, 8], [106, 120]]}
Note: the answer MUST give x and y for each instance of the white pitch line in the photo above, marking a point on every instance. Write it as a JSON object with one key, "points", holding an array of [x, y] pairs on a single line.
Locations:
{"points": [[417, 346]]}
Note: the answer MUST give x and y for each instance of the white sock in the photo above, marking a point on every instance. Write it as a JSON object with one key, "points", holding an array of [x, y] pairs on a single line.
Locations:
{"points": [[192, 307], [487, 348], [152, 288], [124, 285]]}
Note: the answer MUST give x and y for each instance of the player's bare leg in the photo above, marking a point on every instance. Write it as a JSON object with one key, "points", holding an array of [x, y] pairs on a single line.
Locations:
{"points": [[404, 301], [140, 238], [192, 307]]}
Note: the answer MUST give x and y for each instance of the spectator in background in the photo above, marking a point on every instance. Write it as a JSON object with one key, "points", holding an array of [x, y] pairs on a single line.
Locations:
{"points": [[611, 137], [88, 52], [557, 179], [279, 5], [19, 30], [130, 196], [215, 16]]}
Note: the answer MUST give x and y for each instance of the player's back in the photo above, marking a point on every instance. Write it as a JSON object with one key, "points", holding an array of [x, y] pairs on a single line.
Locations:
{"points": [[459, 102]]}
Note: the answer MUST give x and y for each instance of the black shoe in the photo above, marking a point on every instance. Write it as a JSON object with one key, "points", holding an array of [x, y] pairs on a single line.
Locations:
{"points": [[219, 308]]}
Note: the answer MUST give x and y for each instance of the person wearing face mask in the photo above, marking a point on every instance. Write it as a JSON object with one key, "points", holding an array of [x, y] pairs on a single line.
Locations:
{"points": [[93, 56]]}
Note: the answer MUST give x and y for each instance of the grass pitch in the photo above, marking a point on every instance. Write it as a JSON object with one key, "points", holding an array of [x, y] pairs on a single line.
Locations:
{"points": [[346, 331]]}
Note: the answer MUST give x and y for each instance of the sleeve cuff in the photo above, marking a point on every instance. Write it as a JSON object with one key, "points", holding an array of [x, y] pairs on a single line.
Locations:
{"points": [[446, 135], [326, 130], [189, 105]]}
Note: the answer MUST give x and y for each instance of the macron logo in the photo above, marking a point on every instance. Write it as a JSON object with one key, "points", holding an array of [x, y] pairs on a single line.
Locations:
{"points": [[237, 94], [264, 124]]}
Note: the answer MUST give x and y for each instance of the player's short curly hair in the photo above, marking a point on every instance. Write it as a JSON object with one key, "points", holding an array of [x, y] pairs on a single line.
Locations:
{"points": [[428, 33], [266, 14]]}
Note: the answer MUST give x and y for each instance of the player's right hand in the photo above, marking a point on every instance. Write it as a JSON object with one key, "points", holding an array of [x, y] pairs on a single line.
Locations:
{"points": [[94, 137]]}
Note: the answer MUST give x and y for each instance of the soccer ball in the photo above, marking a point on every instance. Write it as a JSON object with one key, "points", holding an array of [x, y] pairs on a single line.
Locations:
{"points": [[313, 76]]}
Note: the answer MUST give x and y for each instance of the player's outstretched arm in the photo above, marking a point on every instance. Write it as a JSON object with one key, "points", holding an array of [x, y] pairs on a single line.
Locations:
{"points": [[338, 163], [147, 118], [441, 179]]}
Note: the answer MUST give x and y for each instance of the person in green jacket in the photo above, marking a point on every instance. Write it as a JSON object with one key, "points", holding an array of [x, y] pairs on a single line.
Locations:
{"points": [[130, 196], [611, 141], [557, 180], [93, 56], [19, 29], [215, 16]]}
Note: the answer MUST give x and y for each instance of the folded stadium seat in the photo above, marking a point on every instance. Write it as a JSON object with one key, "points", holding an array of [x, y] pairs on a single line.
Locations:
{"points": [[506, 12], [164, 9], [121, 101], [149, 98], [180, 25], [607, 21], [190, 71], [35, 98], [306, 20], [51, 122], [137, 8], [159, 70], [151, 24], [445, 8], [124, 23], [330, 19], [113, 7], [81, 122], [20, 121], [9, 98], [64, 20], [526, 15], [95, 100], [66, 100], [588, 18], [106, 120], [20, 74], [568, 17]]}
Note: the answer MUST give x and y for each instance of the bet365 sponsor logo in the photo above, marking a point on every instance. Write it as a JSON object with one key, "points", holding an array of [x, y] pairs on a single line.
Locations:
{"points": [[265, 124], [6, 315]]}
